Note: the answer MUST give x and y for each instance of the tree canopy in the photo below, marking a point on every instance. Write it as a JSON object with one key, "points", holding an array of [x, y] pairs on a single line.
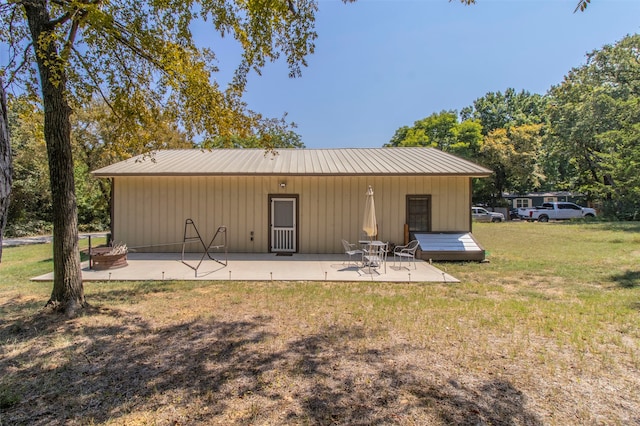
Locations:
{"points": [[582, 135], [594, 130], [140, 58], [497, 110], [444, 131], [274, 139]]}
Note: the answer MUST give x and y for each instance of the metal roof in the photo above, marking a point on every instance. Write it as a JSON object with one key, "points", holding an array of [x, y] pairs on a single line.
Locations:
{"points": [[311, 162]]}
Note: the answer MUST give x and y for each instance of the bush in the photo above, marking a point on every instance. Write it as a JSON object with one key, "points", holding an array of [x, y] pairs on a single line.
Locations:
{"points": [[93, 227], [35, 227], [41, 227], [621, 210]]}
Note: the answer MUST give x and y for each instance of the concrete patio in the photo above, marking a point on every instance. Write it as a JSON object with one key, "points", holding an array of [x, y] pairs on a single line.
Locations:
{"points": [[259, 267]]}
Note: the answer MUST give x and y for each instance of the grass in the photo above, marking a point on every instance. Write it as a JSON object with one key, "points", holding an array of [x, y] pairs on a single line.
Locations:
{"points": [[546, 333]]}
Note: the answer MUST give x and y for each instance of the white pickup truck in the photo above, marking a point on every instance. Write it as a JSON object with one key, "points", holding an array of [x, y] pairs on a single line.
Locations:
{"points": [[555, 211]]}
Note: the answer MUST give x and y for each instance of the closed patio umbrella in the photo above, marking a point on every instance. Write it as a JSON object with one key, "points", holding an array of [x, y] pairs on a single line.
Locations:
{"points": [[369, 224]]}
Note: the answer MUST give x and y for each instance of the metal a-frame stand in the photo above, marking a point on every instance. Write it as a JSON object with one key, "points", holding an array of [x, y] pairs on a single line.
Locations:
{"points": [[191, 234]]}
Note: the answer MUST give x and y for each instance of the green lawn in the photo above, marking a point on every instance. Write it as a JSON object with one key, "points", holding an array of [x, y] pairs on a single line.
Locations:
{"points": [[547, 332]]}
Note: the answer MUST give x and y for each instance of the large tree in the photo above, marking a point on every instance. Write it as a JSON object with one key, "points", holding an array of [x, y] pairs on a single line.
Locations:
{"points": [[513, 156], [443, 131], [6, 172], [497, 110], [594, 131], [100, 137], [139, 55]]}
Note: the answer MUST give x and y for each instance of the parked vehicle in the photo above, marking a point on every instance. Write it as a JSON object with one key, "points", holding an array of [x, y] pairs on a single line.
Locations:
{"points": [[481, 214], [555, 211]]}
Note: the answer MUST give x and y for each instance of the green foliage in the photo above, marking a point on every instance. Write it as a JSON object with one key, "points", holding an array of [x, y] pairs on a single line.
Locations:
{"points": [[501, 111], [270, 139], [513, 154], [26, 228], [31, 196], [276, 141], [468, 139], [582, 136], [93, 207], [443, 131], [594, 115], [99, 138], [141, 56]]}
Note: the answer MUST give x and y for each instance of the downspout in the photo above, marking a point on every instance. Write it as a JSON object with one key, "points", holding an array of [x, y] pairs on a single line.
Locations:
{"points": [[470, 203], [111, 210]]}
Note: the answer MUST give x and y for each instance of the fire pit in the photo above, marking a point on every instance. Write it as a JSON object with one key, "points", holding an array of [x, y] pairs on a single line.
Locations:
{"points": [[102, 258]]}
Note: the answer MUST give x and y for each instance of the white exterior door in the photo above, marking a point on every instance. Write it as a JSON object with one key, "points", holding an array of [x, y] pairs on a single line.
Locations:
{"points": [[283, 225]]}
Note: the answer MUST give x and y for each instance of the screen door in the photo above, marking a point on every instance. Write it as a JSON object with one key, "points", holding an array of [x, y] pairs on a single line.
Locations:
{"points": [[283, 224]]}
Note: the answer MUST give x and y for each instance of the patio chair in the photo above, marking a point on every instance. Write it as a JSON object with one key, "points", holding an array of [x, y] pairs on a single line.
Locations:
{"points": [[406, 252], [349, 249]]}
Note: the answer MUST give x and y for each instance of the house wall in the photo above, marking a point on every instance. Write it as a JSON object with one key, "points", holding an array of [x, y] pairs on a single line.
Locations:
{"points": [[150, 212]]}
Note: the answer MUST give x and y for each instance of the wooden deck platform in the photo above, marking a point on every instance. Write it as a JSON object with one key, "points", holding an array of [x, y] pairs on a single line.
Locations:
{"points": [[450, 246]]}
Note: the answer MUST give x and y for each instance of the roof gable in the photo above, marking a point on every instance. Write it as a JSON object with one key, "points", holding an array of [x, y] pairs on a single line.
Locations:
{"points": [[311, 162]]}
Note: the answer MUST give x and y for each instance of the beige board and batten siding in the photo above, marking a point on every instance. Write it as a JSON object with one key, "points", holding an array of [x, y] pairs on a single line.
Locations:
{"points": [[150, 211]]}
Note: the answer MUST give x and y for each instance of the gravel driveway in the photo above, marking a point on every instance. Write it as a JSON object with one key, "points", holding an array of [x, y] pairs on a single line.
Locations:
{"points": [[41, 239]]}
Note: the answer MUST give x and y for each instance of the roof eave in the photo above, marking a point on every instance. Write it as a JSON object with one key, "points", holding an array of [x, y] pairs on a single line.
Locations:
{"points": [[181, 174]]}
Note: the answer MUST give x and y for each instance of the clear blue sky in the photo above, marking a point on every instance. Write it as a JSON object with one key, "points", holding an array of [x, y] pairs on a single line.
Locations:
{"points": [[383, 64]]}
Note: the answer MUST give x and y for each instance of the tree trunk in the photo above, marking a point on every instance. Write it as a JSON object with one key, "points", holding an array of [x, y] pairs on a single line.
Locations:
{"points": [[68, 291], [6, 164]]}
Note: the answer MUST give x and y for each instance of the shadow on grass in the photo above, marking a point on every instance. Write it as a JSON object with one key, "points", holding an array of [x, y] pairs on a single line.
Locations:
{"points": [[102, 292], [209, 370], [13, 310], [627, 279]]}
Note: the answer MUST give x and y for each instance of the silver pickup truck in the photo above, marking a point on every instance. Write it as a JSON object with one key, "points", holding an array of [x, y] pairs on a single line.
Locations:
{"points": [[555, 211]]}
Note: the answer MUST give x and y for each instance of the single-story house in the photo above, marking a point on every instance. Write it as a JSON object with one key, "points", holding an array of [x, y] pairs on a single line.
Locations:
{"points": [[533, 199], [293, 200]]}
